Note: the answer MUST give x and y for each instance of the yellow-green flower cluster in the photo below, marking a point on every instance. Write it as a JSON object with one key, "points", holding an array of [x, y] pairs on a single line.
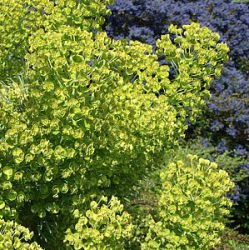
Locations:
{"points": [[192, 206], [20, 19], [103, 227], [195, 55], [15, 236]]}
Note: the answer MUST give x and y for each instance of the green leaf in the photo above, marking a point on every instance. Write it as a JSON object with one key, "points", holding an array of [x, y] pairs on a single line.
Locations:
{"points": [[11, 195], [2, 204]]}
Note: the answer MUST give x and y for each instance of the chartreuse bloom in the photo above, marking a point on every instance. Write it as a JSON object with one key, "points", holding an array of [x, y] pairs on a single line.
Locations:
{"points": [[15, 236], [103, 227], [21, 18]]}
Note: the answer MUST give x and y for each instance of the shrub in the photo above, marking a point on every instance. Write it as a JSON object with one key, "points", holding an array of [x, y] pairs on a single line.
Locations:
{"points": [[104, 226], [90, 116], [191, 207], [228, 109], [235, 166], [227, 124], [74, 125], [15, 236]]}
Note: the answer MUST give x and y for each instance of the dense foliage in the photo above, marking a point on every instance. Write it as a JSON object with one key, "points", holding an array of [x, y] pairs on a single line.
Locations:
{"points": [[68, 123], [84, 116], [237, 170]]}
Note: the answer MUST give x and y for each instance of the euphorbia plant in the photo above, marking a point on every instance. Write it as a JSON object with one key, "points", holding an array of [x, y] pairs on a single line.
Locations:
{"points": [[191, 206], [90, 115]]}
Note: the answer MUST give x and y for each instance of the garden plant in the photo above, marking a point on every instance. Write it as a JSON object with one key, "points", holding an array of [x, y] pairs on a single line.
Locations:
{"points": [[85, 118]]}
